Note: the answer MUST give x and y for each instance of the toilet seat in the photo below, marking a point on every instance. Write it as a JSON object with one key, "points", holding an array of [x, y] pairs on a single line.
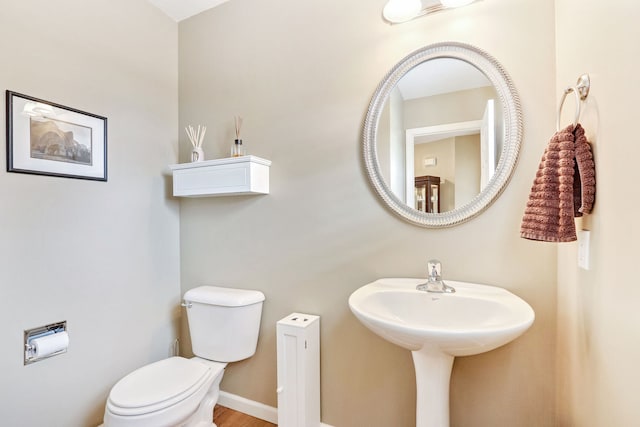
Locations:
{"points": [[158, 386]]}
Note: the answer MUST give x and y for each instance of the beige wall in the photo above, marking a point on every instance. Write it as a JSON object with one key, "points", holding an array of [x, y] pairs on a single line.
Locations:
{"points": [[302, 74], [452, 107], [398, 150], [102, 255], [598, 315], [467, 164]]}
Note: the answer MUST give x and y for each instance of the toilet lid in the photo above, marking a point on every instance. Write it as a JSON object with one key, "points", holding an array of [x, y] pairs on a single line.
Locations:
{"points": [[159, 384]]}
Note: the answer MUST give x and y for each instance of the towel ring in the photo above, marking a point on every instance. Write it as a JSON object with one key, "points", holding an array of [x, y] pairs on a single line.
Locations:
{"points": [[580, 91]]}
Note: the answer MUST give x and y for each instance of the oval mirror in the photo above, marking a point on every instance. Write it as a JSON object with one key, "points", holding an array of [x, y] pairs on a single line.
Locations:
{"points": [[442, 134]]}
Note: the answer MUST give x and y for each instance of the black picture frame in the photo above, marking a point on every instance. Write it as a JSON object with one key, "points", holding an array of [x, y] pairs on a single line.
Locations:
{"points": [[46, 138]]}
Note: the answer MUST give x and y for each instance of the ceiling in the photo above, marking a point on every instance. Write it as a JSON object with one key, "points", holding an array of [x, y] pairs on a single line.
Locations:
{"points": [[440, 75], [183, 9]]}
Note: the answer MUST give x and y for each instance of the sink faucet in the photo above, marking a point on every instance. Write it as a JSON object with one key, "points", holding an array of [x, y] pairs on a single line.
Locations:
{"points": [[434, 279]]}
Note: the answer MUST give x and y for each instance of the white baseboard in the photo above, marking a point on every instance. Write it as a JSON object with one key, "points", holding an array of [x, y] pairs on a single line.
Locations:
{"points": [[251, 407]]}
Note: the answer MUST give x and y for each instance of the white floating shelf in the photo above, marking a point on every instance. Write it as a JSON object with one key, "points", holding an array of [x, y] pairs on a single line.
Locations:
{"points": [[221, 177]]}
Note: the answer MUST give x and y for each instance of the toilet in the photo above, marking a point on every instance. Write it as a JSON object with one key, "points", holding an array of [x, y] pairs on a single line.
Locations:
{"points": [[179, 392]]}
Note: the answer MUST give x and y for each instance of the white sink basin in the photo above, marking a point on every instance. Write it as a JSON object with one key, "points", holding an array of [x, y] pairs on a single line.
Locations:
{"points": [[436, 327], [474, 319]]}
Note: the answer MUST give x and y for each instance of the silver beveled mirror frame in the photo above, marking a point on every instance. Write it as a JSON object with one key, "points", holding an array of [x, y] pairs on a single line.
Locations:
{"points": [[510, 148]]}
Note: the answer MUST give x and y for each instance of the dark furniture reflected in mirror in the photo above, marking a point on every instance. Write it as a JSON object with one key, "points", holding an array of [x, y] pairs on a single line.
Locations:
{"points": [[427, 193]]}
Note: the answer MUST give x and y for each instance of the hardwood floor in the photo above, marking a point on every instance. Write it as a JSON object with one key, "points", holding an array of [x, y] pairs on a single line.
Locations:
{"points": [[225, 417]]}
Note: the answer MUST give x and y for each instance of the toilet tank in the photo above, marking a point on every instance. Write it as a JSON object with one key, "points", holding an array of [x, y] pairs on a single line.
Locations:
{"points": [[223, 322]]}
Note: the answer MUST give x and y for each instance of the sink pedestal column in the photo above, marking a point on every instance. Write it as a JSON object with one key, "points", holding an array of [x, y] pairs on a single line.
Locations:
{"points": [[433, 373]]}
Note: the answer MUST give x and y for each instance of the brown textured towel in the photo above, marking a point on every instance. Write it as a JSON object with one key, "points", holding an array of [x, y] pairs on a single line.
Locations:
{"points": [[562, 188], [584, 177]]}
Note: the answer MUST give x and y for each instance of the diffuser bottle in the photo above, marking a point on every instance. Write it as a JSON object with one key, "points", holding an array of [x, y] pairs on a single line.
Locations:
{"points": [[237, 149]]}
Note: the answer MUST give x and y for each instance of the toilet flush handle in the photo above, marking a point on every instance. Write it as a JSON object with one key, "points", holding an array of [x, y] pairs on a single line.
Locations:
{"points": [[187, 304]]}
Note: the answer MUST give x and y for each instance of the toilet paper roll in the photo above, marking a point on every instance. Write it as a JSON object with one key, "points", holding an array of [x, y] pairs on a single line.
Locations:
{"points": [[47, 345]]}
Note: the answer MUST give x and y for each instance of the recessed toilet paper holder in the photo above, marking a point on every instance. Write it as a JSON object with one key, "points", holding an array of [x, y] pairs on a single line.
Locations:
{"points": [[41, 333]]}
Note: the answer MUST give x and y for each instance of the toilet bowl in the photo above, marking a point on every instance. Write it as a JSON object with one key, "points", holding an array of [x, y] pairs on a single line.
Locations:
{"points": [[165, 394], [180, 392]]}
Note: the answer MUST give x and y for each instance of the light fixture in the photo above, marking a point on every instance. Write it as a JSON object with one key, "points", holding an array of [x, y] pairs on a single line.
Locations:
{"points": [[456, 3], [398, 11]]}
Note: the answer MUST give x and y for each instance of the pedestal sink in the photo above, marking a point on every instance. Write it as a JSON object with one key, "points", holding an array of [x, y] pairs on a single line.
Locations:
{"points": [[436, 327]]}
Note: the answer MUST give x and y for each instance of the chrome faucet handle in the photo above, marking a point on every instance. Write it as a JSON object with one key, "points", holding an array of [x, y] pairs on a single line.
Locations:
{"points": [[434, 270], [434, 279]]}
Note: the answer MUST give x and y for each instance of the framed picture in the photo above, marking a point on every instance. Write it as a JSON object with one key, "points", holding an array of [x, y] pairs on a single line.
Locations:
{"points": [[45, 138]]}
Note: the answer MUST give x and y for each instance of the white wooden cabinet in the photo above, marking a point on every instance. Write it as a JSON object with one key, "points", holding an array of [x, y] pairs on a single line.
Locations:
{"points": [[298, 349], [221, 177]]}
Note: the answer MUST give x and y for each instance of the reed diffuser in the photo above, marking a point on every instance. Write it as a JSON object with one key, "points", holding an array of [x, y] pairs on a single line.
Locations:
{"points": [[237, 149], [196, 138]]}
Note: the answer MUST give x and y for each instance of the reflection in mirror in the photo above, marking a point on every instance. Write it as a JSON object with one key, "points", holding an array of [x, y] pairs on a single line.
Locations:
{"points": [[442, 134], [442, 121]]}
